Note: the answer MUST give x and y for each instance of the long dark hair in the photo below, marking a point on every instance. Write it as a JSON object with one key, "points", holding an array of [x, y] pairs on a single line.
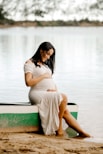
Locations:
{"points": [[45, 46]]}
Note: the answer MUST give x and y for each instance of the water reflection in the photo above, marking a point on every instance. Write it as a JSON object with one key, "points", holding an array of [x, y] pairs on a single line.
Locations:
{"points": [[79, 53]]}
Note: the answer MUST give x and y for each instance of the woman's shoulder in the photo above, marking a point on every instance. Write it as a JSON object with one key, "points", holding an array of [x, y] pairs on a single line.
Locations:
{"points": [[29, 66], [29, 62]]}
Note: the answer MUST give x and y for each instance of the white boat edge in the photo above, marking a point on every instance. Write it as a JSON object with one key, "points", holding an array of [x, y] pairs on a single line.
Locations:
{"points": [[28, 108]]}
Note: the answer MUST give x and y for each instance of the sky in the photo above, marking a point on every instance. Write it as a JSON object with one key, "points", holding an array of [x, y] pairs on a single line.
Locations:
{"points": [[79, 2], [84, 1]]}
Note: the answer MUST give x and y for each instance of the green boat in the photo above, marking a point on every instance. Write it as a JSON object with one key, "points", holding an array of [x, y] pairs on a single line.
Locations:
{"points": [[24, 117]]}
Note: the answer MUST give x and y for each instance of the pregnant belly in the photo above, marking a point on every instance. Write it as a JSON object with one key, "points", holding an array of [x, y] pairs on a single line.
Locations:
{"points": [[44, 85]]}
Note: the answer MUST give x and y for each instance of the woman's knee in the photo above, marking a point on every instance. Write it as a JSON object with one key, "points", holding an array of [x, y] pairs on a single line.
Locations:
{"points": [[66, 113]]}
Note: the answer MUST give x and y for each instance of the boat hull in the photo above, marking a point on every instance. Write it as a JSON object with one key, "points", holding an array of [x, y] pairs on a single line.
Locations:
{"points": [[24, 118]]}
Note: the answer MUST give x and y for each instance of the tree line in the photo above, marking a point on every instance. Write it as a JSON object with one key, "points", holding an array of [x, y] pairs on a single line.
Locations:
{"points": [[39, 9]]}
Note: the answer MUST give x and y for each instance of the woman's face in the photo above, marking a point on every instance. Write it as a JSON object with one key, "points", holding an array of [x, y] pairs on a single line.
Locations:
{"points": [[45, 55]]}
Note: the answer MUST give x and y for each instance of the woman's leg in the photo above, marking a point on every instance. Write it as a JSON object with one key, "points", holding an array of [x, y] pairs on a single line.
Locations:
{"points": [[62, 108], [72, 122]]}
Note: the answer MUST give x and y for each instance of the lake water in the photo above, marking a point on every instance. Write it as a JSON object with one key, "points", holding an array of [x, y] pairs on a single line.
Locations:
{"points": [[78, 72]]}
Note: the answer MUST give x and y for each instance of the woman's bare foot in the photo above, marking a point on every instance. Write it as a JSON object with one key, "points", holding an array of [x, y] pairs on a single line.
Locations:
{"points": [[84, 135], [60, 133]]}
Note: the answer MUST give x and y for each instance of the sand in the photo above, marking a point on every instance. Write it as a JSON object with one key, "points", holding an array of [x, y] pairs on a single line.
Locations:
{"points": [[32, 143]]}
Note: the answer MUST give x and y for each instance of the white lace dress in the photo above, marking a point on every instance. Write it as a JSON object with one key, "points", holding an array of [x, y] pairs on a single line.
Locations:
{"points": [[47, 102]]}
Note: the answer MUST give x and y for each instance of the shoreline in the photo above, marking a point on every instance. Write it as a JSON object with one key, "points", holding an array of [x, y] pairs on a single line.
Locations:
{"points": [[35, 143], [11, 24]]}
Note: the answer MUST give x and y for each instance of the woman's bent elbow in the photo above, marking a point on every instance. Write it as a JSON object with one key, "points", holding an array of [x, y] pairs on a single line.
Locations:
{"points": [[28, 84]]}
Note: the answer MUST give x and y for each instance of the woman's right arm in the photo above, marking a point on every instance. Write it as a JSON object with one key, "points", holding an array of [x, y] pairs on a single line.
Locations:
{"points": [[31, 81]]}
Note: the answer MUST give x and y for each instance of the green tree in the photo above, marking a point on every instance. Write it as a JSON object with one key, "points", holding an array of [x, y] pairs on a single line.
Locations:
{"points": [[3, 12], [52, 7], [37, 9]]}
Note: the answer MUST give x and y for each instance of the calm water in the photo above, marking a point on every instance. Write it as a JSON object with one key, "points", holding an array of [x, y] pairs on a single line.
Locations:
{"points": [[78, 73]]}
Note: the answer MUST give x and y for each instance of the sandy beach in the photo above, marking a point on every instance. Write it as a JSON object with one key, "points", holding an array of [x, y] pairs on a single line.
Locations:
{"points": [[31, 143]]}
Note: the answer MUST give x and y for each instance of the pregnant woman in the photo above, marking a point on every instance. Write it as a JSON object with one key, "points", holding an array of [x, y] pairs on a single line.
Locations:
{"points": [[43, 92]]}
